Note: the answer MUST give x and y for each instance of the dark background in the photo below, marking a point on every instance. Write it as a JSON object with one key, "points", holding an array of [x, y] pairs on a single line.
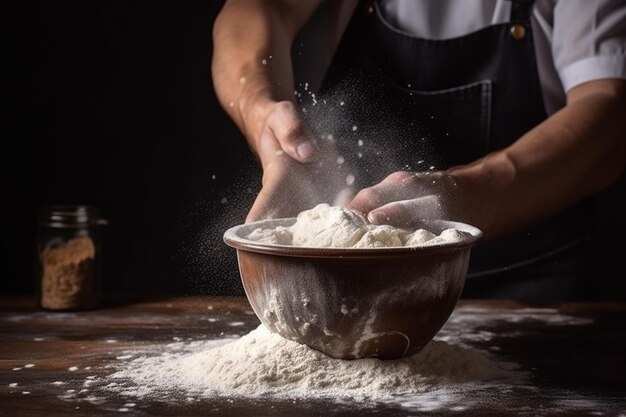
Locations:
{"points": [[111, 104]]}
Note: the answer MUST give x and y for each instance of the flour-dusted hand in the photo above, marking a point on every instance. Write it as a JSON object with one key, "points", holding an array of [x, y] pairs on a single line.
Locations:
{"points": [[298, 172], [405, 198], [282, 130], [253, 79], [290, 187]]}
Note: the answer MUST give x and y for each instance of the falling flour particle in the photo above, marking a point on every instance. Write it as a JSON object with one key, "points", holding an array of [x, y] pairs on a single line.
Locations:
{"points": [[262, 363], [72, 368], [30, 365]]}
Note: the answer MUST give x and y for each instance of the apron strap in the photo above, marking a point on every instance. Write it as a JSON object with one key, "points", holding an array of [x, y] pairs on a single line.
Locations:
{"points": [[521, 9]]}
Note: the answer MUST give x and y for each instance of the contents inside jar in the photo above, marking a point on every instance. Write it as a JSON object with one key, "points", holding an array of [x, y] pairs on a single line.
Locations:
{"points": [[68, 271]]}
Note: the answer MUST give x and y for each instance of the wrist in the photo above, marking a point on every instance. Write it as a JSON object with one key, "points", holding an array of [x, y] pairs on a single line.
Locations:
{"points": [[482, 193], [254, 106]]}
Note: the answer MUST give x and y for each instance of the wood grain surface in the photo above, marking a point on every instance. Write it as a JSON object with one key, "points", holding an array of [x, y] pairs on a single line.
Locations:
{"points": [[575, 354]]}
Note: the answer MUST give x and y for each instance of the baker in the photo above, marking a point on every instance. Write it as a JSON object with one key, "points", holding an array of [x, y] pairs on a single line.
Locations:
{"points": [[505, 114]]}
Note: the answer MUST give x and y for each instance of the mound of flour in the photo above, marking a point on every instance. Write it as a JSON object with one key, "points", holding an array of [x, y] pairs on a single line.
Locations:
{"points": [[331, 226], [262, 363]]}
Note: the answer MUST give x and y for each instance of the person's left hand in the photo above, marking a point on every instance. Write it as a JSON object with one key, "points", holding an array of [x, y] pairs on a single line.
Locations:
{"points": [[290, 187], [403, 199]]}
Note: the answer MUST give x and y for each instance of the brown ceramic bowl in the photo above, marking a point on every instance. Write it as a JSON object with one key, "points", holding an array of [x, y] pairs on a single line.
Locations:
{"points": [[354, 302]]}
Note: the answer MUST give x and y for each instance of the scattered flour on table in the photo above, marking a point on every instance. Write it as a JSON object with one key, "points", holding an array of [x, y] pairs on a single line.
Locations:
{"points": [[159, 371], [331, 226], [262, 363]]}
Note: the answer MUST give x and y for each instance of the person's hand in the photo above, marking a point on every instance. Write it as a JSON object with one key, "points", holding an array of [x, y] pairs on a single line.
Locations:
{"points": [[299, 171], [290, 187], [404, 199], [277, 128]]}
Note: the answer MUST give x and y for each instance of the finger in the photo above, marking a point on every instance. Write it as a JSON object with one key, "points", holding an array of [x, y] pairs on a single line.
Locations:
{"points": [[397, 186], [260, 211], [364, 201], [268, 146], [408, 213], [277, 197], [292, 133], [265, 205]]}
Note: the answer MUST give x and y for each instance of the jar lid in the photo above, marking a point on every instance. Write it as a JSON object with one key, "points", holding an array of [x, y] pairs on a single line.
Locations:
{"points": [[70, 216]]}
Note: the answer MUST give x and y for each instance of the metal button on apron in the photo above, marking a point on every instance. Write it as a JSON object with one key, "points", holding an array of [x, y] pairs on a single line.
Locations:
{"points": [[518, 31]]}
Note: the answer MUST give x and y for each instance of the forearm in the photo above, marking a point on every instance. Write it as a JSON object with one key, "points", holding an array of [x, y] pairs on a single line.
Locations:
{"points": [[252, 56], [574, 154]]}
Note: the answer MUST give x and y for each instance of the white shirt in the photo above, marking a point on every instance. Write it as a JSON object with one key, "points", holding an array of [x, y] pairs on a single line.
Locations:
{"points": [[575, 40]]}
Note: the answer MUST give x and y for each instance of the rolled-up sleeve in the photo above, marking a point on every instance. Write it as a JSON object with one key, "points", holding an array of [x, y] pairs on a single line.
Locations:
{"points": [[589, 40]]}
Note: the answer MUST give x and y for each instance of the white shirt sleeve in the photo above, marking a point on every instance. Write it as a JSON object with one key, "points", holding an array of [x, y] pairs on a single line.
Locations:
{"points": [[589, 40]]}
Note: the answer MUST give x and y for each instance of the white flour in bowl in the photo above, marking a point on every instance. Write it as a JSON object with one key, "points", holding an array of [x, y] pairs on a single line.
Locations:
{"points": [[262, 364], [326, 226]]}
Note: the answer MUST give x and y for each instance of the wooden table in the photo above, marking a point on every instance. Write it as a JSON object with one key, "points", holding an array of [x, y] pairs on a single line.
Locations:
{"points": [[575, 353]]}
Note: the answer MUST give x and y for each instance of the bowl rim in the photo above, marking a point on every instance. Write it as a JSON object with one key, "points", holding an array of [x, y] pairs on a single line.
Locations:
{"points": [[232, 238]]}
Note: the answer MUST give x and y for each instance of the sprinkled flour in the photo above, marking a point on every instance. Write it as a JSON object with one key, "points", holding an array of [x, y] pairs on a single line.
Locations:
{"points": [[175, 375], [331, 226], [262, 363]]}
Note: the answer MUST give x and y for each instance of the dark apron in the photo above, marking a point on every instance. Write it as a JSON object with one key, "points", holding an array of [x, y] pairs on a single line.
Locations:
{"points": [[394, 102]]}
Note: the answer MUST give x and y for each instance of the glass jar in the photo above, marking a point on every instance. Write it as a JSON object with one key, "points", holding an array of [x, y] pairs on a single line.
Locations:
{"points": [[69, 250]]}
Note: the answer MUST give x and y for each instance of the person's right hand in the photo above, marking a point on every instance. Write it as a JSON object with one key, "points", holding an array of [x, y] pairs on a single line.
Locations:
{"points": [[299, 171]]}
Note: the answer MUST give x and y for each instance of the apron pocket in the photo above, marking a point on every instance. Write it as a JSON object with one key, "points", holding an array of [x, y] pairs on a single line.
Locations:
{"points": [[458, 120], [381, 127]]}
